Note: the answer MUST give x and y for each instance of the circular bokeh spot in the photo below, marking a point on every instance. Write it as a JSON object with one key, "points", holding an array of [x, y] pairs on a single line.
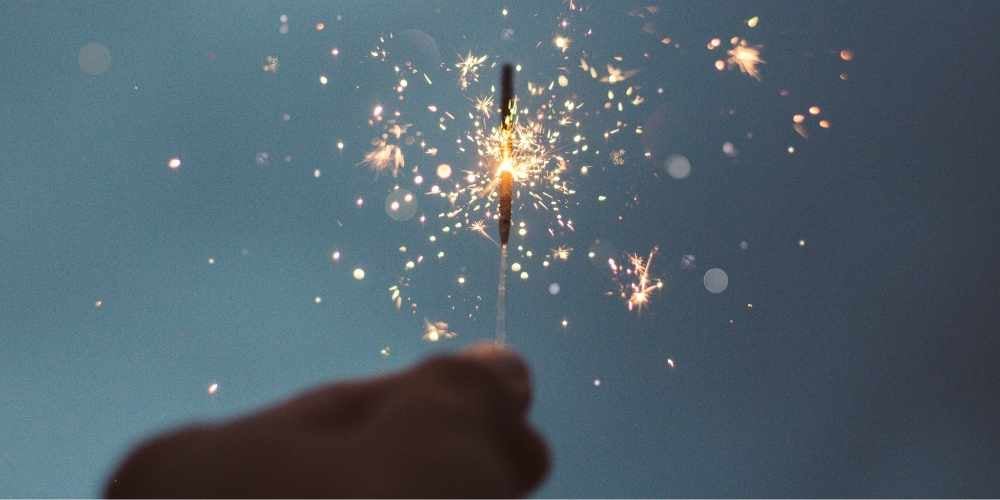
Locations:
{"points": [[716, 280], [95, 58], [678, 166], [401, 205], [418, 47]]}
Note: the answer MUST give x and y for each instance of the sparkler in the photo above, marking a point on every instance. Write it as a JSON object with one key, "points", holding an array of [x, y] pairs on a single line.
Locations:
{"points": [[507, 151], [506, 192]]}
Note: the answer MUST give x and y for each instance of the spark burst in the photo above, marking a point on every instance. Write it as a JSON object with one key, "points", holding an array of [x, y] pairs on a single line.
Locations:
{"points": [[484, 105], [479, 227], [437, 331], [468, 69], [384, 156], [746, 57], [538, 165], [635, 286]]}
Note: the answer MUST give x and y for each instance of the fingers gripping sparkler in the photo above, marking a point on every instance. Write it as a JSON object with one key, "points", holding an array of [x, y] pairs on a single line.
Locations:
{"points": [[506, 193]]}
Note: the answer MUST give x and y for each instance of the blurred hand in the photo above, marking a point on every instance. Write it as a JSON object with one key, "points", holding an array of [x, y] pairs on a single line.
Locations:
{"points": [[453, 426]]}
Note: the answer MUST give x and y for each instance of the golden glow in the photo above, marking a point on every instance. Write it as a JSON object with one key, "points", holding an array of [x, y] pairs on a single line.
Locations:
{"points": [[747, 58], [468, 69], [635, 286], [436, 331], [384, 156], [562, 42], [506, 166]]}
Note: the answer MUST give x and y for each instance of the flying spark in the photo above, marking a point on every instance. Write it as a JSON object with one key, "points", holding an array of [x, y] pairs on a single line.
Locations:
{"points": [[635, 286], [746, 57], [437, 331]]}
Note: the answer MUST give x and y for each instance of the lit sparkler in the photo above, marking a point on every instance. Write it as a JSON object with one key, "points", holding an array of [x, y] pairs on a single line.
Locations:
{"points": [[506, 151]]}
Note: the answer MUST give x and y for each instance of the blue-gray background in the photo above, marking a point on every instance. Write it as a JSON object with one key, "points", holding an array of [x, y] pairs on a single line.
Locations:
{"points": [[866, 367]]}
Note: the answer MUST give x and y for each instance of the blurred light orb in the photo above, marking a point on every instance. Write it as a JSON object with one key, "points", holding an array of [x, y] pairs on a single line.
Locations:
{"points": [[401, 205], [94, 58], [554, 288], [516, 267], [174, 163], [716, 280], [417, 47], [678, 166], [359, 274], [444, 170], [263, 159]]}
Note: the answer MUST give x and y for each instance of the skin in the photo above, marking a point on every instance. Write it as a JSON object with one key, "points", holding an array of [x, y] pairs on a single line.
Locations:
{"points": [[452, 426]]}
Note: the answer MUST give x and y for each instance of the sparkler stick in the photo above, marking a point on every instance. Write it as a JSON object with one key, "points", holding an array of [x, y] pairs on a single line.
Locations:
{"points": [[507, 151], [506, 193]]}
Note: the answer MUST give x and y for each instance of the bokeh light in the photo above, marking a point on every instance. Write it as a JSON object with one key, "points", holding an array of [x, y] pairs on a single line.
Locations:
{"points": [[716, 280], [95, 58]]}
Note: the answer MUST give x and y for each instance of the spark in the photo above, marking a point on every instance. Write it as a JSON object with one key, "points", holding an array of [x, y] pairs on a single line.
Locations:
{"points": [[746, 57], [562, 253], [484, 105], [271, 64], [468, 69], [174, 163], [384, 156], [479, 227], [635, 286], [213, 388], [618, 157], [436, 331], [617, 75], [562, 42]]}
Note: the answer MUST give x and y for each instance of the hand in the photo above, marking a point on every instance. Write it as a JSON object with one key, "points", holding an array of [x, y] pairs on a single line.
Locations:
{"points": [[453, 426]]}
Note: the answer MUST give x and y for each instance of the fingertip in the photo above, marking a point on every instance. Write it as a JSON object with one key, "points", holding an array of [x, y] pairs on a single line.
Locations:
{"points": [[503, 361]]}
